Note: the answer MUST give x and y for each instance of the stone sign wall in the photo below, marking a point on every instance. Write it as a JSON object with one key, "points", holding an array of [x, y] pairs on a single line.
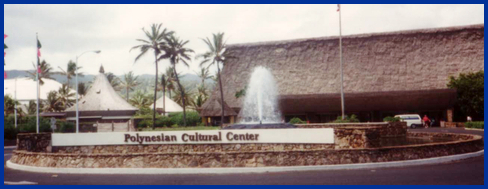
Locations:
{"points": [[302, 157]]}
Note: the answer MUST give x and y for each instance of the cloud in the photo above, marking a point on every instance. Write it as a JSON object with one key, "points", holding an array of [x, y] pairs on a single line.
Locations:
{"points": [[69, 30]]}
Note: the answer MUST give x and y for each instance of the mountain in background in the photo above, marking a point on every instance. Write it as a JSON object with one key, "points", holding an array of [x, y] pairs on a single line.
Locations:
{"points": [[189, 81]]}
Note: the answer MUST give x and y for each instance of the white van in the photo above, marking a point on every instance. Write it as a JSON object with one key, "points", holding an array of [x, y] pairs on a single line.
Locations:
{"points": [[413, 120]]}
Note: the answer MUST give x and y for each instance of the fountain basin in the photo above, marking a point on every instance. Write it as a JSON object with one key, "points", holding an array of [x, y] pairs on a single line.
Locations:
{"points": [[262, 126]]}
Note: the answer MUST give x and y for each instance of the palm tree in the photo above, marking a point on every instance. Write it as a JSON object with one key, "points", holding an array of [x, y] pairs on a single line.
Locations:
{"points": [[52, 103], [204, 74], [129, 82], [32, 108], [184, 99], [140, 100], [66, 99], [156, 39], [44, 74], [70, 71], [113, 80], [216, 55], [170, 79], [216, 77], [201, 97], [82, 89], [9, 105], [175, 51]]}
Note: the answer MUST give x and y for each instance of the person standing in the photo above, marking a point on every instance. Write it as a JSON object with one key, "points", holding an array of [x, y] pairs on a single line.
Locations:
{"points": [[426, 121]]}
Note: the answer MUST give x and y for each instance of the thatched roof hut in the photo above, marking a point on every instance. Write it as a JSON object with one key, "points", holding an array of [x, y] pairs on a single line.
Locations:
{"points": [[404, 71], [170, 106], [213, 108], [102, 97], [103, 105]]}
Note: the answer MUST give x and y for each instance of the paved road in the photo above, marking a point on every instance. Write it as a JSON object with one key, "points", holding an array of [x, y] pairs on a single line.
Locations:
{"points": [[470, 171]]}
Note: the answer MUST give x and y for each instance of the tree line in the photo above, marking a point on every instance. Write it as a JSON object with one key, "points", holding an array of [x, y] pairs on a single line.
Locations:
{"points": [[164, 44]]}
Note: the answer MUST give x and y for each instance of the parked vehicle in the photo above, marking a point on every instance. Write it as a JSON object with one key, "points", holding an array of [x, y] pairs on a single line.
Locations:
{"points": [[413, 120]]}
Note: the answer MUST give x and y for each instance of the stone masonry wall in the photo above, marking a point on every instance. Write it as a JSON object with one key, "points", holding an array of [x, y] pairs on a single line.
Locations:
{"points": [[251, 159], [188, 148], [392, 129], [34, 142]]}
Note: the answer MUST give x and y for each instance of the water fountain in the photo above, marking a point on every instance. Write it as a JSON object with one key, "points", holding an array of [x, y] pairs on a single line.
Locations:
{"points": [[260, 109]]}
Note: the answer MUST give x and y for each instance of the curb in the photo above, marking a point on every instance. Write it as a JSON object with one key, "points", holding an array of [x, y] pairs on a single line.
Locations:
{"points": [[189, 171], [470, 129], [9, 147]]}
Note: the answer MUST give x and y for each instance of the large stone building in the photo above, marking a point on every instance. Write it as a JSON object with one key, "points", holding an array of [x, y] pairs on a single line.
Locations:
{"points": [[384, 73]]}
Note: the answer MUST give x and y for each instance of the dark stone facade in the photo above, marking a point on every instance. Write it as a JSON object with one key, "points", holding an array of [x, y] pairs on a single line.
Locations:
{"points": [[34, 142]]}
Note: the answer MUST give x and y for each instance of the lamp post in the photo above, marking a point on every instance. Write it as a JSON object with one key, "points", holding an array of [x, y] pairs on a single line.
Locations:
{"points": [[76, 71]]}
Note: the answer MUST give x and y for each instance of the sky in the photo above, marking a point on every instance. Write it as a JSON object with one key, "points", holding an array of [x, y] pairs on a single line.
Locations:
{"points": [[66, 31]]}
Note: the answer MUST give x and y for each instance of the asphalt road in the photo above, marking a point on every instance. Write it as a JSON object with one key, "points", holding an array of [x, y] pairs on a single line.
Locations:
{"points": [[465, 172]]}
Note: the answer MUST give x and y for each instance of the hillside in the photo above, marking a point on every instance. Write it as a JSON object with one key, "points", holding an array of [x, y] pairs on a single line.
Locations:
{"points": [[189, 81]]}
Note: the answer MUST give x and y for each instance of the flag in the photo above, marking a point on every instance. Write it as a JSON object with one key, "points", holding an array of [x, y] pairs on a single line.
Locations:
{"points": [[39, 46], [338, 7]]}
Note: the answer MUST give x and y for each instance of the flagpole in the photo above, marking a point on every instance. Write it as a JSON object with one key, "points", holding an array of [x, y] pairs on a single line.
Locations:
{"points": [[15, 102], [342, 71], [37, 77]]}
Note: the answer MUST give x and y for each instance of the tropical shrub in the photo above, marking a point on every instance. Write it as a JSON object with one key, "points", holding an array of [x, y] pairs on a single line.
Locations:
{"points": [[475, 125], [29, 126], [349, 119], [9, 131], [392, 119], [297, 120], [164, 122], [144, 123], [470, 93], [192, 118], [65, 127]]}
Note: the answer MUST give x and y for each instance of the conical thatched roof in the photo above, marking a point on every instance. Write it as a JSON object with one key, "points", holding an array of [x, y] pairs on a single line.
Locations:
{"points": [[102, 97], [213, 108], [171, 106]]}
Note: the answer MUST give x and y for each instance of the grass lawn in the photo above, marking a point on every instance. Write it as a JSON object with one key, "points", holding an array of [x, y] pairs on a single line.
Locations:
{"points": [[181, 128]]}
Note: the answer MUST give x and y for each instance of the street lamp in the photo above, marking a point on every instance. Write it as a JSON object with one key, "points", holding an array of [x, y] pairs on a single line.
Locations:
{"points": [[76, 71]]}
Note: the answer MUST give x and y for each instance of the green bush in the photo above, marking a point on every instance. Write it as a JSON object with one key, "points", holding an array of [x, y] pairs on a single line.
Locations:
{"points": [[9, 131], [9, 119], [30, 125], [349, 119], [392, 119], [297, 120], [475, 125], [192, 118], [146, 112], [145, 123], [164, 122], [65, 127]]}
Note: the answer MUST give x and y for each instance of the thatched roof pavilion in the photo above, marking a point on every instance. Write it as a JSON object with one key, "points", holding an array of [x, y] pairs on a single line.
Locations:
{"points": [[384, 73], [211, 111], [102, 104], [166, 105]]}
